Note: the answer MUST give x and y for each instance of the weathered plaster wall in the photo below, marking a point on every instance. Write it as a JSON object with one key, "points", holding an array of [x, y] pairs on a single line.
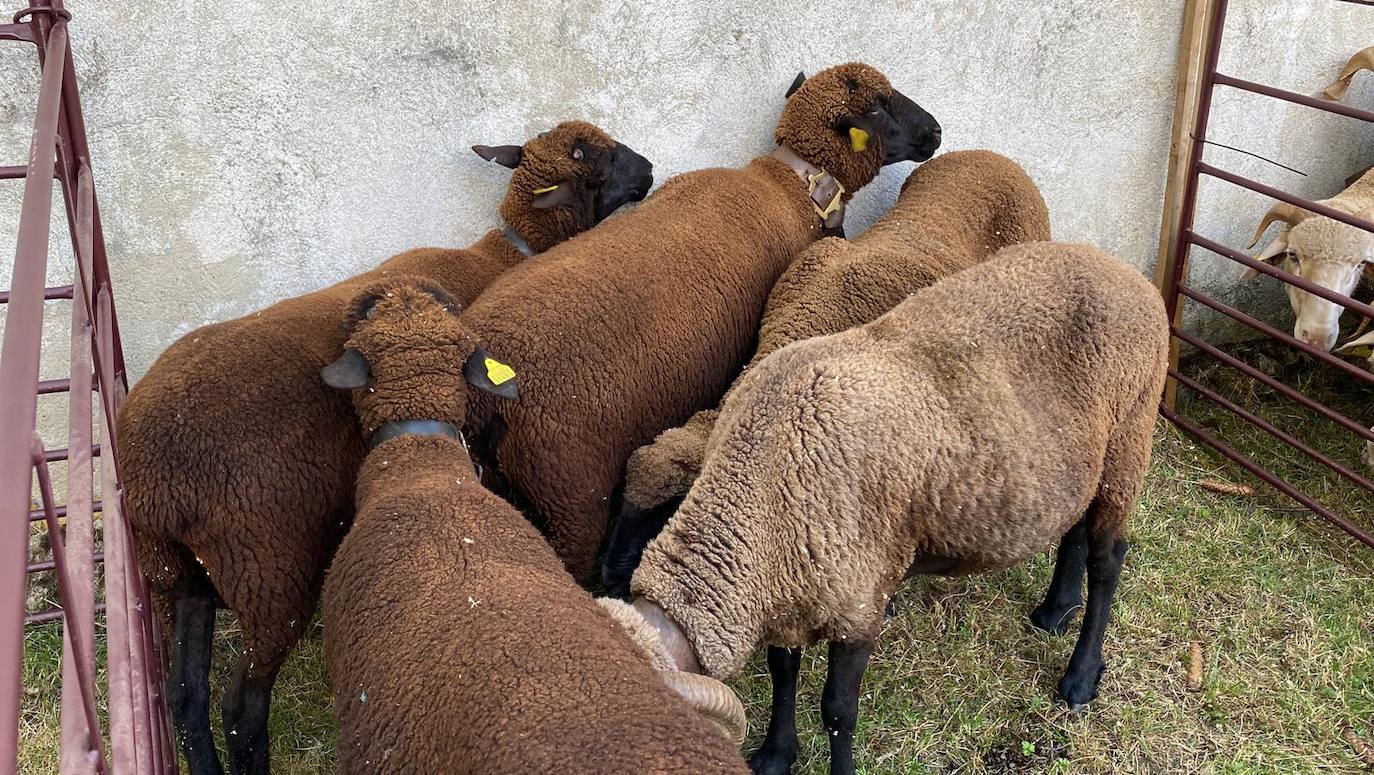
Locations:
{"points": [[253, 150]]}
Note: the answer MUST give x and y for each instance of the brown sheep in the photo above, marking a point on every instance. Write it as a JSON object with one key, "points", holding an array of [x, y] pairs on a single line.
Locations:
{"points": [[626, 331], [454, 638], [953, 212], [972, 426], [239, 463]]}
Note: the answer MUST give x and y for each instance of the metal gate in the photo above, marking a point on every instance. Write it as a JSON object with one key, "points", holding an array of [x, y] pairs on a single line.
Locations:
{"points": [[1181, 238], [132, 736]]}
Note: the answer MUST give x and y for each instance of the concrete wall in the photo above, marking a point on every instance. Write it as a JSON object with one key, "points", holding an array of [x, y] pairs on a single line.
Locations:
{"points": [[253, 150]]}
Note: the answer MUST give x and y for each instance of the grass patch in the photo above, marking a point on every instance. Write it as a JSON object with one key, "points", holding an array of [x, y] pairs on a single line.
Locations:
{"points": [[1283, 605]]}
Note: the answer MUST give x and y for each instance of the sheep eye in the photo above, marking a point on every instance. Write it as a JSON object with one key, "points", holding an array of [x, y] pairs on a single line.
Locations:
{"points": [[853, 85], [577, 154]]}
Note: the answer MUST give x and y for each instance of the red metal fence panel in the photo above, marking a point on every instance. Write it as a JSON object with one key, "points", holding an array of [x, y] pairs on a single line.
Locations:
{"points": [[1176, 291], [133, 737]]}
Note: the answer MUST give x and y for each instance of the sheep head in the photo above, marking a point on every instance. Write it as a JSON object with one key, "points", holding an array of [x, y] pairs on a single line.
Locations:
{"points": [[849, 121], [567, 180], [409, 357], [1322, 251]]}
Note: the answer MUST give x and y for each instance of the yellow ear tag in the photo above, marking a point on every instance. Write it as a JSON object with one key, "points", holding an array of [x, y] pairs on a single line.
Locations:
{"points": [[858, 139], [547, 189], [1359, 351], [498, 372]]}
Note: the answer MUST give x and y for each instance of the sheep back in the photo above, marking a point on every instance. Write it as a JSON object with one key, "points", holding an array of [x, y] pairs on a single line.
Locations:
{"points": [[236, 454], [628, 329], [456, 641], [953, 212], [970, 427]]}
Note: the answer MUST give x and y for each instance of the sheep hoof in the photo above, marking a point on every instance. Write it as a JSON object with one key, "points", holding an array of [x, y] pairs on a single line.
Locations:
{"points": [[775, 764], [1054, 621], [1079, 688]]}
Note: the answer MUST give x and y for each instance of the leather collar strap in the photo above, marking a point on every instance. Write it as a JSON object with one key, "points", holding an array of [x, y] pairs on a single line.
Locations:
{"points": [[827, 195], [391, 430], [518, 242]]}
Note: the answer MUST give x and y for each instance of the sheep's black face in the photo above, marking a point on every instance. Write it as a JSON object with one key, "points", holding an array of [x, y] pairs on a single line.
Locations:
{"points": [[908, 132], [625, 177], [567, 180], [634, 529]]}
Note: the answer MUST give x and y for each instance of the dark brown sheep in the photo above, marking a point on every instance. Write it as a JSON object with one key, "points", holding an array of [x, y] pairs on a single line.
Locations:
{"points": [[953, 212], [972, 426], [626, 331], [455, 640], [239, 463]]}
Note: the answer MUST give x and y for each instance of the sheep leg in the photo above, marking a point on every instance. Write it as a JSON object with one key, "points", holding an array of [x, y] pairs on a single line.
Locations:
{"points": [[247, 702], [780, 746], [1065, 594], [190, 641], [1106, 552], [840, 701]]}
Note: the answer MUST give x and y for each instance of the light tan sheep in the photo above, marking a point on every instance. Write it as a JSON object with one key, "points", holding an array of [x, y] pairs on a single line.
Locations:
{"points": [[972, 426]]}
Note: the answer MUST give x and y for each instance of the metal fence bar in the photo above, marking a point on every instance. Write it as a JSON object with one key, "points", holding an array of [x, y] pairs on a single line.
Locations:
{"points": [[1256, 374], [1294, 97], [49, 294], [19, 362], [1270, 428], [1273, 271], [1174, 289], [35, 516], [1297, 201], [1266, 475], [86, 744], [53, 614], [1358, 373], [47, 565]]}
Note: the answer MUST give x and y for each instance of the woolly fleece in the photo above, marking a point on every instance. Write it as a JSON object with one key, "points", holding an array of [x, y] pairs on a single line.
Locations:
{"points": [[953, 212], [235, 454], [455, 640], [967, 429], [627, 330]]}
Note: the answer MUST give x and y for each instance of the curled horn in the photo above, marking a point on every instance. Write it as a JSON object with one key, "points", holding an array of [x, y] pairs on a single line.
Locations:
{"points": [[1364, 60], [1282, 211], [713, 700]]}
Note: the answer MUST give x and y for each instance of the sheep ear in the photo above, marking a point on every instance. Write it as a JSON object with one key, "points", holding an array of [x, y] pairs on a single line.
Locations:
{"points": [[796, 84], [1270, 255], [860, 130], [488, 374], [505, 155], [349, 372], [553, 196]]}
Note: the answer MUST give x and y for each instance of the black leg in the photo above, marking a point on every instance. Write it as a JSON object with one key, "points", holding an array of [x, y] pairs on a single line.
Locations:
{"points": [[188, 674], [780, 745], [1065, 594], [840, 701], [246, 705], [1079, 684]]}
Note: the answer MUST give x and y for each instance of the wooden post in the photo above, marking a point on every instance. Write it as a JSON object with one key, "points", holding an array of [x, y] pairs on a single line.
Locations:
{"points": [[1191, 50]]}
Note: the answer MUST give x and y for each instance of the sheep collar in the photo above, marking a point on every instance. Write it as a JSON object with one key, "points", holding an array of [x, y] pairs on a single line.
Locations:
{"points": [[516, 240], [392, 430], [827, 194]]}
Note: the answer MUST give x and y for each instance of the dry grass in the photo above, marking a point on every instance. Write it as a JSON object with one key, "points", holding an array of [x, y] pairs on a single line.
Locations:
{"points": [[1281, 604]]}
